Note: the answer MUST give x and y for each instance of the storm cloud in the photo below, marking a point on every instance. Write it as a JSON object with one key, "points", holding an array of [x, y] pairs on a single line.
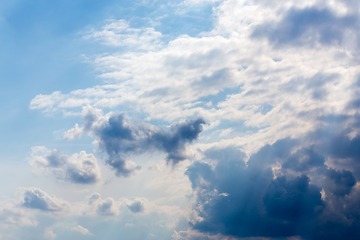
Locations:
{"points": [[286, 189]]}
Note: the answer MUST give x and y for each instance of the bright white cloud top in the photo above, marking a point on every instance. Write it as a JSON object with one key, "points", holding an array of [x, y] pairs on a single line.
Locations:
{"points": [[246, 130]]}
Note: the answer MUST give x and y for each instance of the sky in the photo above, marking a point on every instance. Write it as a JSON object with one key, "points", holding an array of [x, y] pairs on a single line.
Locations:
{"points": [[180, 120]]}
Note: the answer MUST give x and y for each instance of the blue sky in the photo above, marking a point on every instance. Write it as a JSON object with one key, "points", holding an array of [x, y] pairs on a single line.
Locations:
{"points": [[181, 120]]}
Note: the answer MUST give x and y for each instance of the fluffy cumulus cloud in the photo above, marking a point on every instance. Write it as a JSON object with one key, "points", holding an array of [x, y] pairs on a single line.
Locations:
{"points": [[27, 205], [278, 83], [104, 207], [81, 168], [35, 198], [120, 137], [294, 187]]}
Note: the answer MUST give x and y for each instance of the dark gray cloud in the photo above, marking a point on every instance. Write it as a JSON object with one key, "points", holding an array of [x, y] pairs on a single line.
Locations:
{"points": [[80, 168], [342, 150], [292, 200], [307, 27], [340, 182], [136, 206], [285, 189], [37, 199], [304, 159], [120, 138], [239, 200], [343, 147]]}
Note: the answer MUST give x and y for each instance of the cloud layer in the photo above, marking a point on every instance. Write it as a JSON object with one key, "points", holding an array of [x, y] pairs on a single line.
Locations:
{"points": [[275, 68], [278, 84]]}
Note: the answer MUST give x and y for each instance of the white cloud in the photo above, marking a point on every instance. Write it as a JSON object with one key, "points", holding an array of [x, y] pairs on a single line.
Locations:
{"points": [[120, 34], [138, 207], [129, 225], [142, 207], [49, 234], [81, 168], [31, 203], [200, 1], [103, 207], [28, 203], [12, 216], [35, 198], [81, 230], [225, 132]]}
